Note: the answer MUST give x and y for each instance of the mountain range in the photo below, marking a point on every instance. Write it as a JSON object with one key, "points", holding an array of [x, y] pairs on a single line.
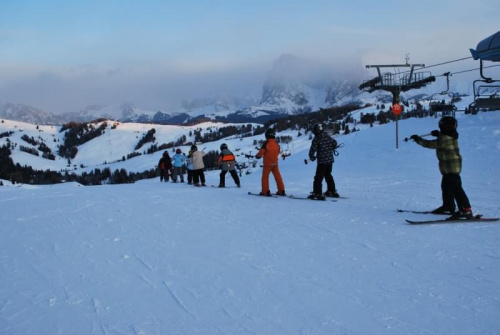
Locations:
{"points": [[292, 87]]}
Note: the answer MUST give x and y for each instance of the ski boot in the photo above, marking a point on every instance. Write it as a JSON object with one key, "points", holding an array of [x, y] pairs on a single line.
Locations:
{"points": [[442, 210], [282, 193], [315, 196], [465, 213], [332, 194]]}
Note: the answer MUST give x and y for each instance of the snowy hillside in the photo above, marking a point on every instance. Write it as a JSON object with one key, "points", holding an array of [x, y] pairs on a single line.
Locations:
{"points": [[158, 258], [107, 150]]}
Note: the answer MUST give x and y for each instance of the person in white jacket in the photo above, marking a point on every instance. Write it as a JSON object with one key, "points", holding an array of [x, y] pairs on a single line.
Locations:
{"points": [[198, 166]]}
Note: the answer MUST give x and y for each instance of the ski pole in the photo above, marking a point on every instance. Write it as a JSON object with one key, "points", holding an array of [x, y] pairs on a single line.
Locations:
{"points": [[425, 135]]}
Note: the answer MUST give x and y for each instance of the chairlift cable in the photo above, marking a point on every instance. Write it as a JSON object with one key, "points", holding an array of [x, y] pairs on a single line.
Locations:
{"points": [[451, 61], [484, 67], [444, 63]]}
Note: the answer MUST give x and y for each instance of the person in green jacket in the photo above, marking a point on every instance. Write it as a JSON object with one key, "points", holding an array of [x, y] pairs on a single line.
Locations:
{"points": [[450, 166]]}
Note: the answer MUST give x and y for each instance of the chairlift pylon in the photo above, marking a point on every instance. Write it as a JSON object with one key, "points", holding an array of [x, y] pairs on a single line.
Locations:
{"points": [[395, 83]]}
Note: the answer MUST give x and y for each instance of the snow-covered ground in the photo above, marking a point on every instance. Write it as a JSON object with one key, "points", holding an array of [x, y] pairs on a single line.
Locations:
{"points": [[158, 258]]}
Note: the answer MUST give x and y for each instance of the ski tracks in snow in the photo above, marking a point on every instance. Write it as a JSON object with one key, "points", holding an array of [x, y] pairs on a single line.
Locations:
{"points": [[177, 300]]}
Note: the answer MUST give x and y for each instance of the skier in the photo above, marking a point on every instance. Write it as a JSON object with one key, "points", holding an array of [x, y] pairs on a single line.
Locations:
{"points": [[189, 168], [165, 166], [178, 162], [450, 166], [198, 166], [270, 151], [322, 148], [227, 162]]}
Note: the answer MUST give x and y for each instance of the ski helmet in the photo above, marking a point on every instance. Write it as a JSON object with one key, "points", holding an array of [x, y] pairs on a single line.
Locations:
{"points": [[223, 146], [270, 133], [178, 151], [194, 148], [447, 124], [317, 128]]}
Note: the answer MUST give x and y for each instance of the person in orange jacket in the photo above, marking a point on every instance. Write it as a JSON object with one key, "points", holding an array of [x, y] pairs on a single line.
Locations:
{"points": [[270, 150]]}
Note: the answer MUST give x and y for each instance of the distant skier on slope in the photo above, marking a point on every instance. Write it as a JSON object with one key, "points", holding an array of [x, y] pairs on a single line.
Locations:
{"points": [[165, 166], [322, 148], [189, 168], [227, 162], [270, 150], [178, 161], [450, 165], [198, 166]]}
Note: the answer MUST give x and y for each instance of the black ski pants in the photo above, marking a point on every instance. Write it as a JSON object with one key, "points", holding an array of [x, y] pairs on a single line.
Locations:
{"points": [[451, 187], [233, 173], [199, 175], [323, 171], [164, 174]]}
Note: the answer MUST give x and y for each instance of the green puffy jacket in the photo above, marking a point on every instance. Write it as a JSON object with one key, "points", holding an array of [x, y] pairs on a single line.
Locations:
{"points": [[447, 152]]}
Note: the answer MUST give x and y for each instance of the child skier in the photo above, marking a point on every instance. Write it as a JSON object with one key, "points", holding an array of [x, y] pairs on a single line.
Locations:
{"points": [[322, 148], [270, 150], [178, 162], [227, 162], [165, 166], [450, 165], [189, 168], [198, 166]]}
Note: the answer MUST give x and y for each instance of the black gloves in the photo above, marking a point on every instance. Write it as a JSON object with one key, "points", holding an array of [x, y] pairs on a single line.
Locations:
{"points": [[312, 158], [435, 133], [415, 137]]}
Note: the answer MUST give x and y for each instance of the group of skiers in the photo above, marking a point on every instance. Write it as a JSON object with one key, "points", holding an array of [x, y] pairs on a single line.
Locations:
{"points": [[322, 149], [173, 167]]}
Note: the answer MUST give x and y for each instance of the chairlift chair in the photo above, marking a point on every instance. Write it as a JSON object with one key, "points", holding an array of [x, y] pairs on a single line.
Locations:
{"points": [[486, 97], [442, 105]]}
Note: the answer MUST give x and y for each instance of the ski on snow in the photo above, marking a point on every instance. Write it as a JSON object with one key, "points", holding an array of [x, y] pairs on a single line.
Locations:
{"points": [[475, 219], [306, 198], [216, 186], [265, 196], [421, 212], [289, 197]]}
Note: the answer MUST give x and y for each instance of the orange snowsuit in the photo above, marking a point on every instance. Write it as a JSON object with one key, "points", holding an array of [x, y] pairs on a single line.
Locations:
{"points": [[270, 151]]}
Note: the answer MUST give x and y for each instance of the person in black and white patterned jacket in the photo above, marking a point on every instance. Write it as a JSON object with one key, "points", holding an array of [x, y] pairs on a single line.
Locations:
{"points": [[322, 148]]}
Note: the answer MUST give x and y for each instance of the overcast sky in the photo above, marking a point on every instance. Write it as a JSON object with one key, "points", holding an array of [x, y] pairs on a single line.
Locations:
{"points": [[64, 55]]}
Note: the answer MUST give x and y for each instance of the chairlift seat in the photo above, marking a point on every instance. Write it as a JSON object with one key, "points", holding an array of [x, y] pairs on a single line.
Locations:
{"points": [[492, 103], [440, 107], [488, 49]]}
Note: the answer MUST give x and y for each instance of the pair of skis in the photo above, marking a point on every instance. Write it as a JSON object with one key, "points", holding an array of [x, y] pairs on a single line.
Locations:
{"points": [[475, 219], [290, 197]]}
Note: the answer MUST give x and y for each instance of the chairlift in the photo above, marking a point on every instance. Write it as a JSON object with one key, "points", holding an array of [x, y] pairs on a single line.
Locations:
{"points": [[442, 105], [486, 96]]}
